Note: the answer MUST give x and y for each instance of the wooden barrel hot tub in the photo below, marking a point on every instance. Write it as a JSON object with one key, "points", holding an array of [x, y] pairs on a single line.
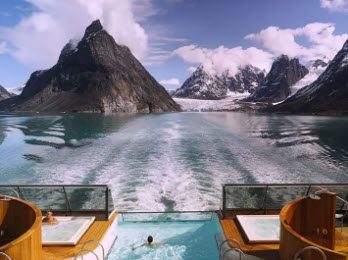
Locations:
{"points": [[20, 229], [309, 223]]}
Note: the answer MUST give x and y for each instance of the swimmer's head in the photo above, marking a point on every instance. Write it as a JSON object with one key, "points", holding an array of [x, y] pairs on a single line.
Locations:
{"points": [[149, 239]]}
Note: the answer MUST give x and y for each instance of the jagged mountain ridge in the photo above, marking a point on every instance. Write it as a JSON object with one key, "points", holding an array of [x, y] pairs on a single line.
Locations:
{"points": [[315, 69], [276, 87], [4, 94], [327, 94], [203, 85], [96, 75]]}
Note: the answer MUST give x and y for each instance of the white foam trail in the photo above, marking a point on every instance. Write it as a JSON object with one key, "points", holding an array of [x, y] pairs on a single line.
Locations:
{"points": [[57, 133], [48, 139], [180, 161]]}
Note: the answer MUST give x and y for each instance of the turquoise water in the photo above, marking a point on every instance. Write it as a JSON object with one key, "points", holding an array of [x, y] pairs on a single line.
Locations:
{"points": [[175, 238], [173, 161]]}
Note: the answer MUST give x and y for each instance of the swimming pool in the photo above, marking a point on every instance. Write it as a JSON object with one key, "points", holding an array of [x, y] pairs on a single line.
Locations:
{"points": [[176, 235], [68, 230]]}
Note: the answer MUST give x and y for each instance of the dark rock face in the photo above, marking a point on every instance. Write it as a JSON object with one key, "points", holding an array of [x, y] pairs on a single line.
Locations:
{"points": [[4, 94], [96, 75], [328, 94], [319, 63], [247, 79], [276, 86], [202, 85]]}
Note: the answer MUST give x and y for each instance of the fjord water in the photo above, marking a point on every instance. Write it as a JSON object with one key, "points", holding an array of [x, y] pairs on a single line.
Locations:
{"points": [[172, 161]]}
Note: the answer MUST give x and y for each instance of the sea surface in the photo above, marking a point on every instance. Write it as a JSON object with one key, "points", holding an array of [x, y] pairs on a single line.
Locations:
{"points": [[172, 161]]}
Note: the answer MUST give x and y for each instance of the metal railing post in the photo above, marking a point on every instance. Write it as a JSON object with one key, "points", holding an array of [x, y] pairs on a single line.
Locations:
{"points": [[107, 202], [67, 202], [223, 202], [20, 193], [264, 202]]}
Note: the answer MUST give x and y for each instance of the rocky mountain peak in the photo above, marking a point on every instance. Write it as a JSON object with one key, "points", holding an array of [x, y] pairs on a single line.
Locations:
{"points": [[284, 73], [282, 58], [94, 27], [345, 46], [96, 75], [327, 94], [203, 85], [4, 94]]}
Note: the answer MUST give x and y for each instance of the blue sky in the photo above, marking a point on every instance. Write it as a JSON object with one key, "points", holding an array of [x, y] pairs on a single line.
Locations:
{"points": [[172, 37]]}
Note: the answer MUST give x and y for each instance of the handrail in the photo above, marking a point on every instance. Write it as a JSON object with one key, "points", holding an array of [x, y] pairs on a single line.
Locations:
{"points": [[241, 253], [284, 184], [67, 202], [265, 189], [309, 248], [123, 213], [85, 250], [97, 242], [5, 255], [231, 240], [18, 189], [53, 185]]}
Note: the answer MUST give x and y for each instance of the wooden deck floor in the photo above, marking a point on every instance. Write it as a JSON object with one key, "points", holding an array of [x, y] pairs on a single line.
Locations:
{"points": [[232, 231], [95, 232], [341, 244]]}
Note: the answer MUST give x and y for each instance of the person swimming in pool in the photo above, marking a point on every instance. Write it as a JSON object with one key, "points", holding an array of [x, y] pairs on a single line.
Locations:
{"points": [[149, 244]]}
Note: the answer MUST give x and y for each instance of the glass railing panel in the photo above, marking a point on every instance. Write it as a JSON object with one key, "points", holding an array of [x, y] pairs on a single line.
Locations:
{"points": [[9, 191], [244, 197], [167, 216], [46, 198], [86, 198], [278, 196]]}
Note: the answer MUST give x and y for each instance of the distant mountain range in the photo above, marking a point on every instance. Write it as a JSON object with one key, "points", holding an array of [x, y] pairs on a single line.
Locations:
{"points": [[203, 85], [327, 94], [95, 75], [288, 87], [4, 94]]}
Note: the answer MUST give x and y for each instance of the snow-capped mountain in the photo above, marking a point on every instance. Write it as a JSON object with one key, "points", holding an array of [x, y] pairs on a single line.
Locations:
{"points": [[96, 75], [276, 87], [16, 91], [203, 85], [4, 94], [329, 93], [315, 68]]}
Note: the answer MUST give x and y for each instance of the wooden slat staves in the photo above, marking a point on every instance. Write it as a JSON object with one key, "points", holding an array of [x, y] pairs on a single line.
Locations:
{"points": [[95, 232], [21, 224], [307, 222]]}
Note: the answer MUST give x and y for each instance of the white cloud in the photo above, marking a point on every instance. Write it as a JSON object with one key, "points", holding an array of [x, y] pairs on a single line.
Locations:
{"points": [[321, 42], [191, 69], [170, 82], [38, 38], [3, 47], [217, 61], [335, 5]]}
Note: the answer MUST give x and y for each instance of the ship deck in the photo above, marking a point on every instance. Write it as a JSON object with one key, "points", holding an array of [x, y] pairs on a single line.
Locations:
{"points": [[270, 251], [96, 232]]}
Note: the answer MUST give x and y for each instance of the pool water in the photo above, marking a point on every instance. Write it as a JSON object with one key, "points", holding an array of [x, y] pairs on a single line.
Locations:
{"points": [[174, 238]]}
